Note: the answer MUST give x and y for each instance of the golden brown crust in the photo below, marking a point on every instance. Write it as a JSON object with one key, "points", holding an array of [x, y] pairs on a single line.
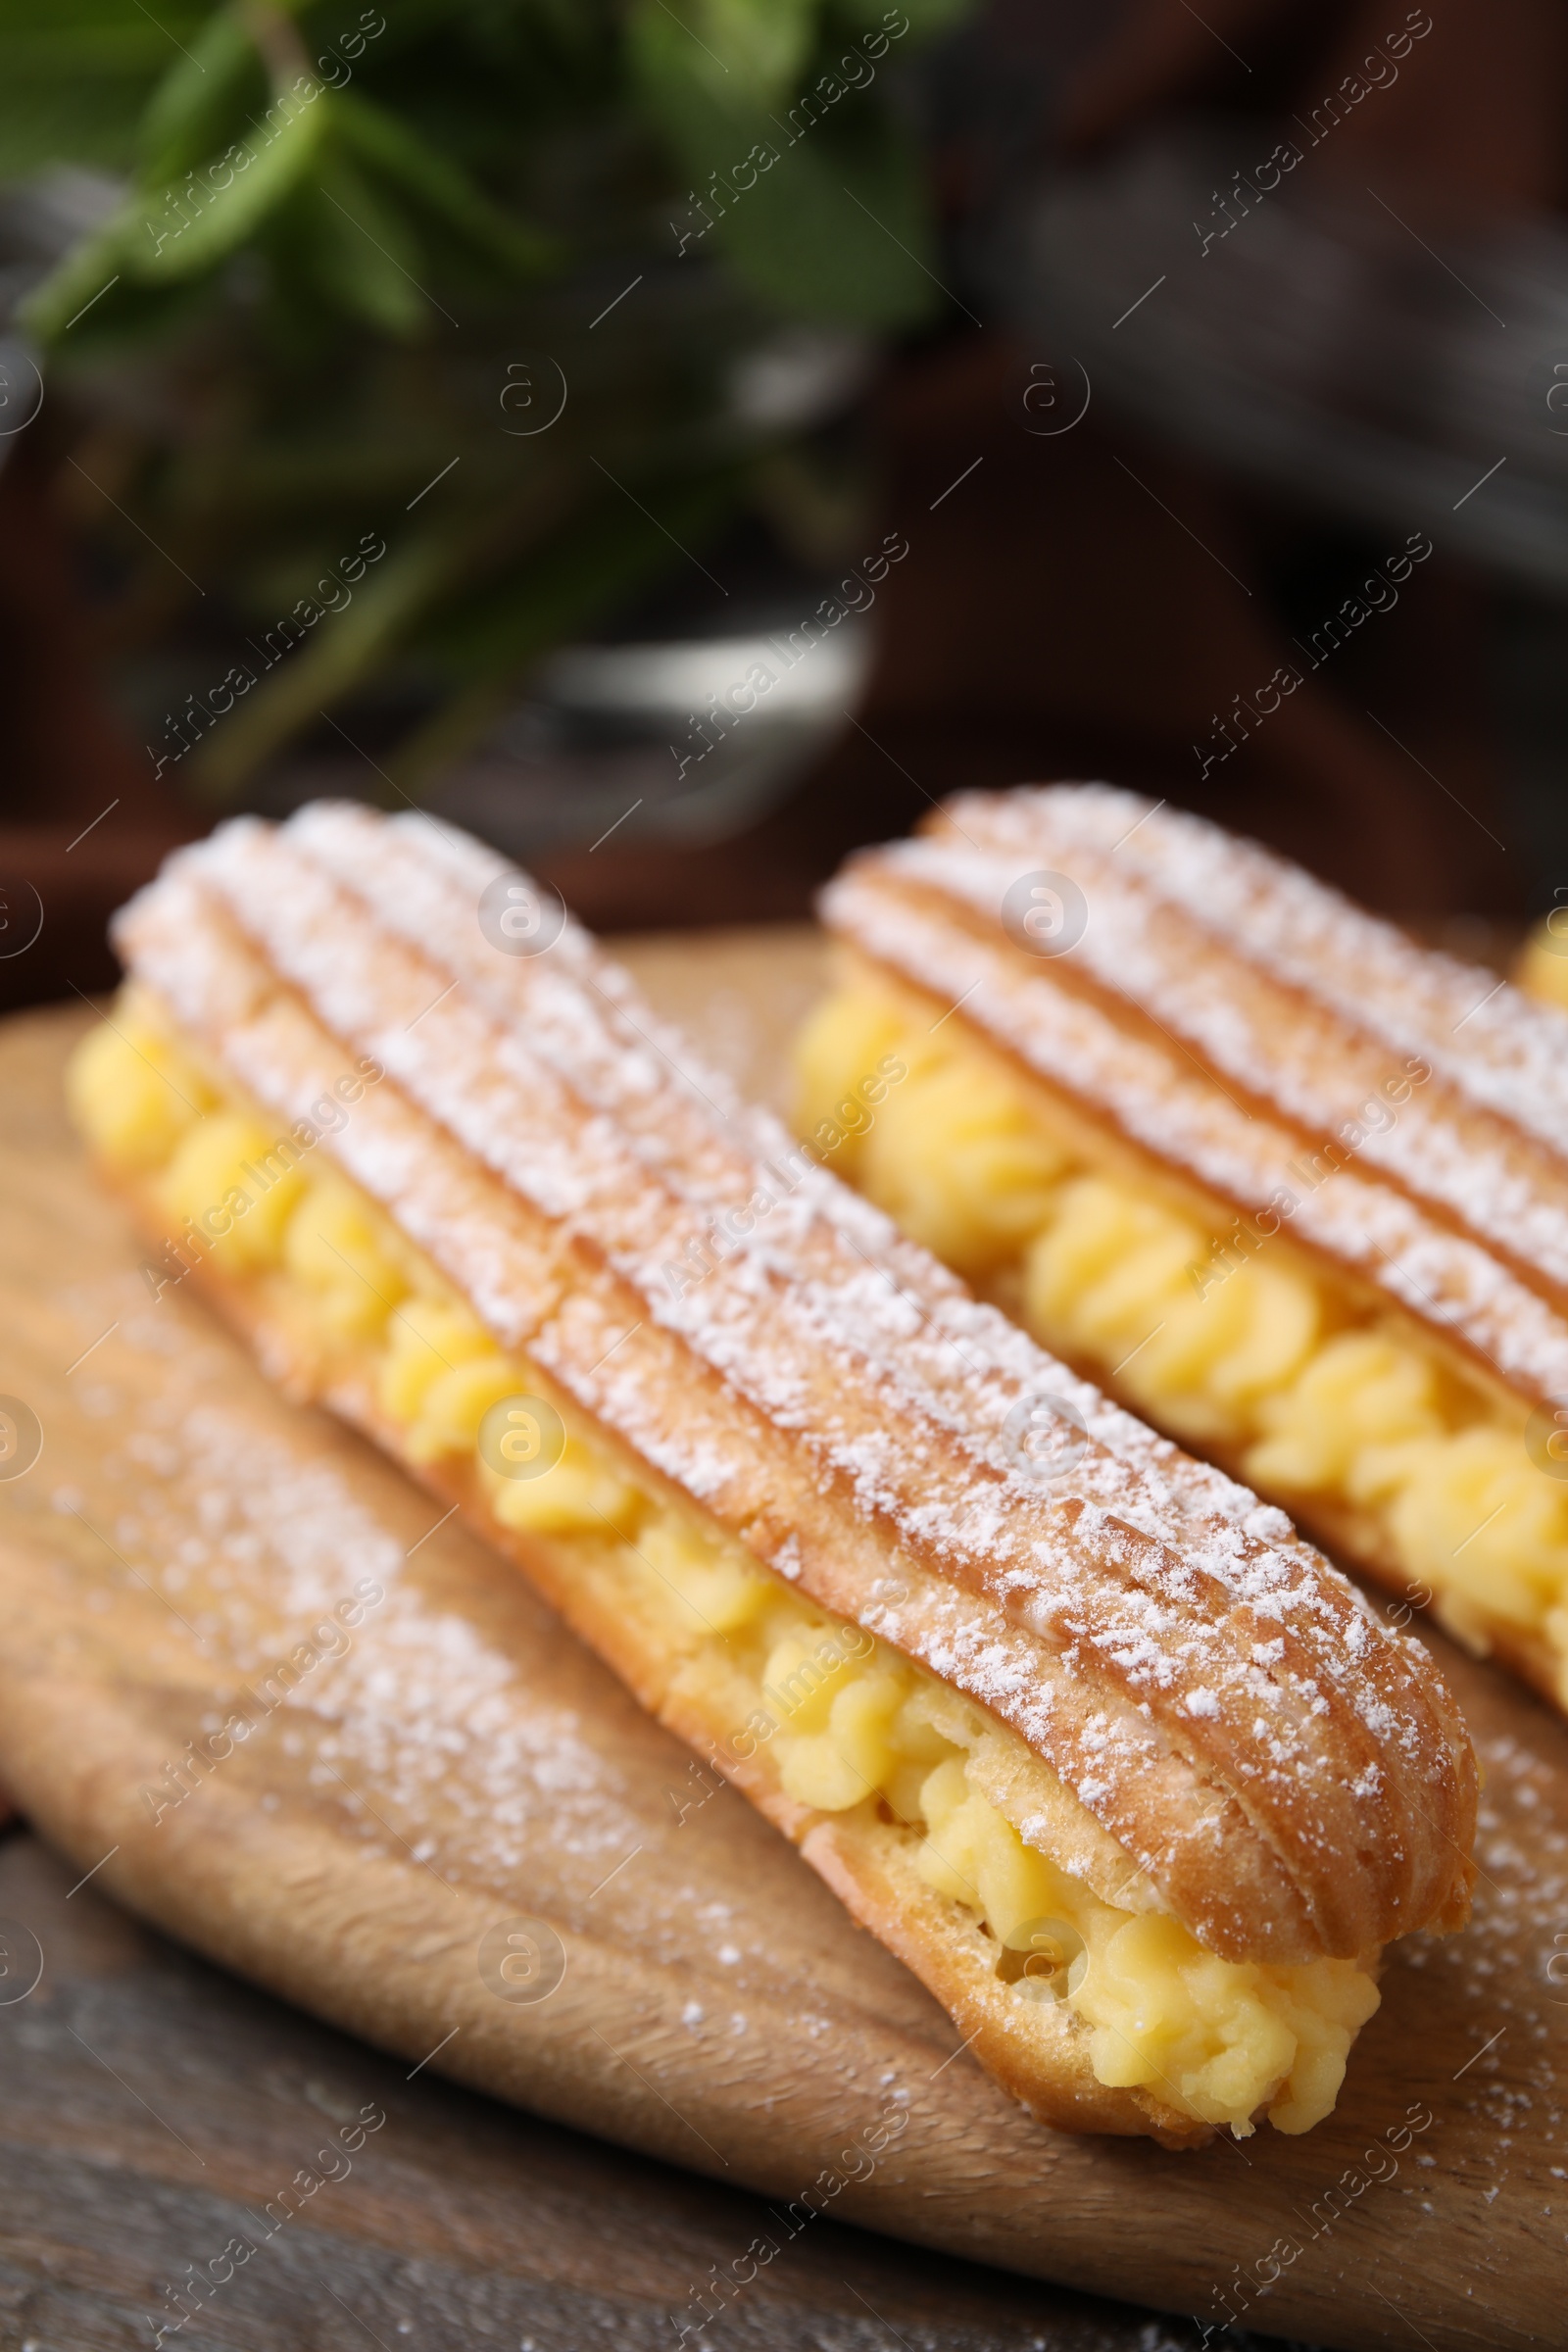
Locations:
{"points": [[1529, 1656], [1227, 1018], [1343, 1533], [1041, 2057], [825, 1391], [1215, 1030], [1046, 2067]]}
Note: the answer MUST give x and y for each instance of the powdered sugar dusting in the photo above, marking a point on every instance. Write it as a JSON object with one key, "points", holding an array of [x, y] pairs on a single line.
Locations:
{"points": [[825, 1388], [1224, 949], [1395, 1226], [319, 1638]]}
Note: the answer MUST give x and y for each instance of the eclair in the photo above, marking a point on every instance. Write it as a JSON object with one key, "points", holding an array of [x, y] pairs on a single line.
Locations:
{"points": [[1135, 1782], [1288, 1185]]}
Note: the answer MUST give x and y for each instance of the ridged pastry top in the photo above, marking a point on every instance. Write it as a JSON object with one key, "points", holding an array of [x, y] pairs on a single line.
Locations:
{"points": [[1233, 1015], [1291, 1775]]}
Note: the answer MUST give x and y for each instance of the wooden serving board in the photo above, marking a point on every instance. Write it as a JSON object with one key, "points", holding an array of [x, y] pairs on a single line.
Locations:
{"points": [[453, 1763]]}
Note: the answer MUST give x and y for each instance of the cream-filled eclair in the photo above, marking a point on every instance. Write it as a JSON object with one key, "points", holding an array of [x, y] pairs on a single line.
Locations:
{"points": [[1286, 1183], [1134, 1782], [1540, 968]]}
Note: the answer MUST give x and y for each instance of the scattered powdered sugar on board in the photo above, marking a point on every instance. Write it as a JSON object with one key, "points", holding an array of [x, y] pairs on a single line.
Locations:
{"points": [[1509, 1971], [258, 1539], [456, 1724]]}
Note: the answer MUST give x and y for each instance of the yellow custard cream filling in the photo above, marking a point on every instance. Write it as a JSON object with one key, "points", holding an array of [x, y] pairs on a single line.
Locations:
{"points": [[843, 1722], [1228, 1341]]}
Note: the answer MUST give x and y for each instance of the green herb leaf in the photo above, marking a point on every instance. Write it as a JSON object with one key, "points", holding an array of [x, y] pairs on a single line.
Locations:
{"points": [[840, 230], [201, 103], [78, 73], [736, 50], [410, 163], [359, 252], [184, 229]]}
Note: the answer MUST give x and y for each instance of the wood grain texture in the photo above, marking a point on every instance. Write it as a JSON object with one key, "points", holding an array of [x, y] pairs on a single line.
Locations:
{"points": [[465, 1763], [154, 2106]]}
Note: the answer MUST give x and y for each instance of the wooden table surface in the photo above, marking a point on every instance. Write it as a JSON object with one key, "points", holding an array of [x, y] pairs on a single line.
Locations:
{"points": [[149, 2106], [154, 2106]]}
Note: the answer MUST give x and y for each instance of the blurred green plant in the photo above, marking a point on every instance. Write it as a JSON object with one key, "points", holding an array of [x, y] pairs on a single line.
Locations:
{"points": [[355, 255]]}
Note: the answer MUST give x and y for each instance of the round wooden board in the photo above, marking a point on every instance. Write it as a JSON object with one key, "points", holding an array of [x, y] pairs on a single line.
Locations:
{"points": [[462, 1763]]}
